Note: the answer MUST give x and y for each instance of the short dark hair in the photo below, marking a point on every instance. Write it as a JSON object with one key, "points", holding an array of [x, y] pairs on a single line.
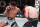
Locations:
{"points": [[13, 3]]}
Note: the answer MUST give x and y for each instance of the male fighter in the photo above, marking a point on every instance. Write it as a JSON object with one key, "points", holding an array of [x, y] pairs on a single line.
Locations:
{"points": [[10, 12], [32, 15]]}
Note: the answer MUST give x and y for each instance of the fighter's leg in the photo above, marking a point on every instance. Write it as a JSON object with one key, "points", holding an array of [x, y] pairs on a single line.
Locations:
{"points": [[28, 24], [34, 23], [2, 24], [14, 24]]}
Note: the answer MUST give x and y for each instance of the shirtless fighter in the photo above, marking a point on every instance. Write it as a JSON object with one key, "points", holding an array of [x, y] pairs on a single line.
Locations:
{"points": [[32, 15], [10, 12]]}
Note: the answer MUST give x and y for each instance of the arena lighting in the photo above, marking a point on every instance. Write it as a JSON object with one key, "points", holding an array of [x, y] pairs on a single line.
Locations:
{"points": [[3, 4], [17, 15], [37, 5], [21, 16]]}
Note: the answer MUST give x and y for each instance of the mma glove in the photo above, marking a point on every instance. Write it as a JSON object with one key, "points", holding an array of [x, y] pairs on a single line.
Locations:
{"points": [[8, 9]]}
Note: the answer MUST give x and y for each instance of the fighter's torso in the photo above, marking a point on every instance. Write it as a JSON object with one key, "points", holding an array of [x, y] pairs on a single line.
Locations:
{"points": [[31, 12], [12, 13]]}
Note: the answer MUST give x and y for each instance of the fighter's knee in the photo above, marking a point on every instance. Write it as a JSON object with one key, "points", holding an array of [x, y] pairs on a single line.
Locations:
{"points": [[2, 24]]}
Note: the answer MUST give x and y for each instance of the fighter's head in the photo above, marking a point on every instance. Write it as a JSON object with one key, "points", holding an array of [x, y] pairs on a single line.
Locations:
{"points": [[13, 3]]}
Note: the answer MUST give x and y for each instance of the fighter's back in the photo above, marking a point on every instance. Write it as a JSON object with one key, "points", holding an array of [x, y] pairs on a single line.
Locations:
{"points": [[32, 12]]}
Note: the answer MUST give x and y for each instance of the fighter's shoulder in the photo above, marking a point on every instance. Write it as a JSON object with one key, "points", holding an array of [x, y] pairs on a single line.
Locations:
{"points": [[17, 8], [30, 7], [27, 6]]}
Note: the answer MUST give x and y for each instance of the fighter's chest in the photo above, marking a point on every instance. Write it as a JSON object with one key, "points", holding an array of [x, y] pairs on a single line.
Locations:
{"points": [[12, 12]]}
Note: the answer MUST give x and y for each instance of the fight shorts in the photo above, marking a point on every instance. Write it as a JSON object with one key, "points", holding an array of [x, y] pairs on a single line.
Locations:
{"points": [[31, 22], [10, 21]]}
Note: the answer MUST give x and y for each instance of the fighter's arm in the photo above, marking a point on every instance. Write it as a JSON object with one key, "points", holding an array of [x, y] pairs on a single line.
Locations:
{"points": [[5, 12], [26, 12], [18, 10]]}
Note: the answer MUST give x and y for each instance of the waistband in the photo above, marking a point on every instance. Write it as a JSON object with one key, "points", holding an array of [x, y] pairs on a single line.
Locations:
{"points": [[10, 18], [32, 18]]}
